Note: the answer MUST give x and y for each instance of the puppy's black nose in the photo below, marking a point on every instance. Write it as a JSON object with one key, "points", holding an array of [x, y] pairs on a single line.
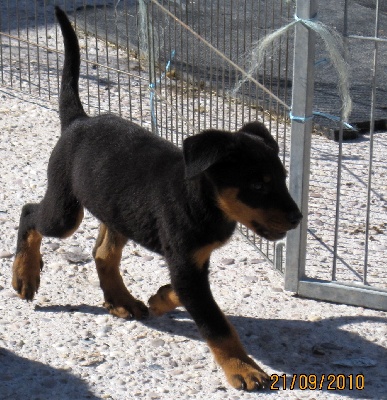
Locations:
{"points": [[295, 217]]}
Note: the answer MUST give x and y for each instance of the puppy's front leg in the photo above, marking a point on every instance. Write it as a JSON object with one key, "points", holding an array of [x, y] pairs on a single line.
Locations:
{"points": [[192, 288], [107, 254]]}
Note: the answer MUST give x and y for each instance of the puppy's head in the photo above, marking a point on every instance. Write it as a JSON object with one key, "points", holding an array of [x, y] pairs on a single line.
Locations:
{"points": [[248, 177]]}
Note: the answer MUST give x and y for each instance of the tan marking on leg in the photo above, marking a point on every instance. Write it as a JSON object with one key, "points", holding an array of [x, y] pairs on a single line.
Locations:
{"points": [[107, 254], [163, 301], [241, 371], [27, 265], [202, 255]]}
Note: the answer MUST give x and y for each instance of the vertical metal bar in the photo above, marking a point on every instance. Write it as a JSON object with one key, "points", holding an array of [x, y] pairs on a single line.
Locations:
{"points": [[270, 105], [142, 43], [161, 108], [117, 59], [289, 7], [279, 65], [9, 44], [231, 49], [205, 93], [37, 49], [168, 77], [187, 47], [192, 63], [258, 92], [175, 77], [87, 53], [222, 66], [244, 48], [47, 52], [151, 55], [97, 59], [339, 169], [211, 88], [181, 33], [57, 60], [199, 94], [372, 128], [1, 47], [302, 105], [19, 44], [107, 55], [128, 59], [28, 49]]}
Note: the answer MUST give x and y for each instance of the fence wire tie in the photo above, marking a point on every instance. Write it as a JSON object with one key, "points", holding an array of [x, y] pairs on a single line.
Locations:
{"points": [[303, 120], [152, 89]]}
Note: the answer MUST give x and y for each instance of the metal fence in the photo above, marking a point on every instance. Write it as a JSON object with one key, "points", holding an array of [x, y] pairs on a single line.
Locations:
{"points": [[342, 258], [198, 52], [173, 66]]}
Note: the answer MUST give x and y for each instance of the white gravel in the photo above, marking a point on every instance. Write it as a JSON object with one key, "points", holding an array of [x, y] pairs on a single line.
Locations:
{"points": [[64, 345]]}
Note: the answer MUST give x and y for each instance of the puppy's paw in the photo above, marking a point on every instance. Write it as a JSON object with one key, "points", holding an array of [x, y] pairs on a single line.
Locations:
{"points": [[163, 301], [245, 376], [134, 309], [26, 276]]}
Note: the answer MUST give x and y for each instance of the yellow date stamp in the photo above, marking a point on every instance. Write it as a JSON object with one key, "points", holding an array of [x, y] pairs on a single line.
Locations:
{"points": [[317, 382]]}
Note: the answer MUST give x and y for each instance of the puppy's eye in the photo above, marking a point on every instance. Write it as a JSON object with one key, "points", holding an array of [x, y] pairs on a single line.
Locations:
{"points": [[256, 187]]}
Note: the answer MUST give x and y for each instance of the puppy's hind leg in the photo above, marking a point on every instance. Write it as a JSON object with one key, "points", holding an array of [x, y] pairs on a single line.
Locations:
{"points": [[107, 254], [55, 216], [28, 261], [163, 301]]}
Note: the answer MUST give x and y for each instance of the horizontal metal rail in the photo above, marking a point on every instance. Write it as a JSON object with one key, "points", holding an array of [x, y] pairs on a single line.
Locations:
{"points": [[357, 295]]}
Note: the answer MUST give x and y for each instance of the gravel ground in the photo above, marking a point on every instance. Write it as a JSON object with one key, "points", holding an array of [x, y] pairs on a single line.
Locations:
{"points": [[64, 344]]}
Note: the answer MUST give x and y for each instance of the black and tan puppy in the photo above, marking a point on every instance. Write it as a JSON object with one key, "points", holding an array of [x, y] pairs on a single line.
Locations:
{"points": [[181, 204]]}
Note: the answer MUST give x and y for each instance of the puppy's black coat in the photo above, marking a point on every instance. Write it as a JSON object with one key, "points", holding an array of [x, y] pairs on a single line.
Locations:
{"points": [[181, 204]]}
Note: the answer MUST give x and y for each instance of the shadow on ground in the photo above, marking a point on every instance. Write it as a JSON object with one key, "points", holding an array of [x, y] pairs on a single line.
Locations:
{"points": [[293, 346], [21, 378], [304, 347]]}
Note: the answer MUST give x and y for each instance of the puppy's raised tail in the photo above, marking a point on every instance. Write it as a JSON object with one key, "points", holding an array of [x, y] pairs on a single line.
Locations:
{"points": [[70, 106]]}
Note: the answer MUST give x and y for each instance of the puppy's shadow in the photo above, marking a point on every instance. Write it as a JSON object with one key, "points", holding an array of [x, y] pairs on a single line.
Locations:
{"points": [[305, 347], [21, 378], [293, 347]]}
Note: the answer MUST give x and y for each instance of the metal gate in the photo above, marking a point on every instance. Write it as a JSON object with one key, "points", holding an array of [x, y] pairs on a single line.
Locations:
{"points": [[328, 257], [339, 253]]}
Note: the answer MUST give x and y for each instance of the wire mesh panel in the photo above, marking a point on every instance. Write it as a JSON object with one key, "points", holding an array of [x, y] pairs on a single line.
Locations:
{"points": [[202, 50], [112, 73], [205, 47]]}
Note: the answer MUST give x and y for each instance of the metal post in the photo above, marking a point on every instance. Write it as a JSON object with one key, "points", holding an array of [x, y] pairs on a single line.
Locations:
{"points": [[302, 106], [147, 45], [372, 131]]}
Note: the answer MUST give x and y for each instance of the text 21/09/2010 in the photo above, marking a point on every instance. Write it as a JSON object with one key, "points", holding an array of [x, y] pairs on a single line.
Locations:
{"points": [[314, 382]]}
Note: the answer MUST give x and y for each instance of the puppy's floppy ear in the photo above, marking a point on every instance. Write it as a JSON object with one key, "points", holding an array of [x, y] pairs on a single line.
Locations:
{"points": [[205, 149], [259, 129]]}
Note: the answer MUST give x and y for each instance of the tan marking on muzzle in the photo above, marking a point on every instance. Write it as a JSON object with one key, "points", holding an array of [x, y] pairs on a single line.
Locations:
{"points": [[271, 219]]}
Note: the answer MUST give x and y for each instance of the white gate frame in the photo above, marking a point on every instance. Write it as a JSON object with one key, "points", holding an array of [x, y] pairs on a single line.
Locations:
{"points": [[296, 279]]}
